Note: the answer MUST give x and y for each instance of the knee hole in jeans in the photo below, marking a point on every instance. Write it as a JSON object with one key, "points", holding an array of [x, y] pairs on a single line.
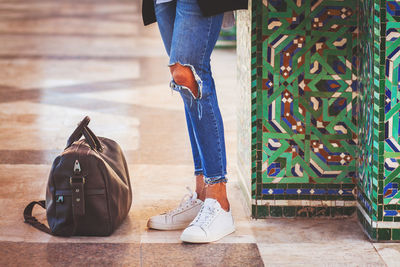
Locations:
{"points": [[186, 76]]}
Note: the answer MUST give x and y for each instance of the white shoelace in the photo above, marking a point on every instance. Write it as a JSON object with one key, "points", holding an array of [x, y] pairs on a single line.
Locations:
{"points": [[186, 201], [206, 214]]}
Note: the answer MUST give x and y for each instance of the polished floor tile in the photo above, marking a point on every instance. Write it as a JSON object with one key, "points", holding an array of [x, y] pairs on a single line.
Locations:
{"points": [[110, 254], [390, 253], [69, 254], [63, 60], [200, 255], [320, 254]]}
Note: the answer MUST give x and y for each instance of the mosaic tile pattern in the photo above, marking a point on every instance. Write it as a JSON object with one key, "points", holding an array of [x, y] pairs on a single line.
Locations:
{"points": [[390, 192], [368, 106], [379, 208], [304, 97], [325, 111]]}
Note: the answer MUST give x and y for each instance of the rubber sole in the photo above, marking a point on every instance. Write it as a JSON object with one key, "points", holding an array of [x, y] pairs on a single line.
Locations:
{"points": [[197, 239], [166, 227]]}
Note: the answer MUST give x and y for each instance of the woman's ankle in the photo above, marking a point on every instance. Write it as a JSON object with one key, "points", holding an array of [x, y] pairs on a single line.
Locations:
{"points": [[224, 203], [200, 187], [218, 191]]}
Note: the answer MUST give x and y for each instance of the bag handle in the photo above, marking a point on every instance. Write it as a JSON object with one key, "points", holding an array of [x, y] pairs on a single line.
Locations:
{"points": [[87, 132], [32, 220], [83, 129], [77, 133]]}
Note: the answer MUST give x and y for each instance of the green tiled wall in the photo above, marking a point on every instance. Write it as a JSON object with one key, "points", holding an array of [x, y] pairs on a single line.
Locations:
{"points": [[379, 150], [304, 96], [325, 111]]}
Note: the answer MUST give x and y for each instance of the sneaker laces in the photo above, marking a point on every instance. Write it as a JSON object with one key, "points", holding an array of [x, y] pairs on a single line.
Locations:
{"points": [[185, 202], [205, 214]]}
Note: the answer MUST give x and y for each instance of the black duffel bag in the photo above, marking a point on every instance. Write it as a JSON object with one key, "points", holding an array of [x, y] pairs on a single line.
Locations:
{"points": [[88, 191]]}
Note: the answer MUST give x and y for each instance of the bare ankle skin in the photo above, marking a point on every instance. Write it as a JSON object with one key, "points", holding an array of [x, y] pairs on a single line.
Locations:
{"points": [[200, 187], [218, 192]]}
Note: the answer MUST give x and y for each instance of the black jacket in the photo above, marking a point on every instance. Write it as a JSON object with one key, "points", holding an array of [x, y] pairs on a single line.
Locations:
{"points": [[208, 8]]}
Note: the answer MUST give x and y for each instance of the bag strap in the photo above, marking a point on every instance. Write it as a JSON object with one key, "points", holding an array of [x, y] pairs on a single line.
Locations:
{"points": [[32, 220], [76, 213]]}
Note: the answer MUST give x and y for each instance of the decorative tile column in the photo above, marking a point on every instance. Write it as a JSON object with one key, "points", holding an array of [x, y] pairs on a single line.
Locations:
{"points": [[379, 168], [304, 99], [325, 101]]}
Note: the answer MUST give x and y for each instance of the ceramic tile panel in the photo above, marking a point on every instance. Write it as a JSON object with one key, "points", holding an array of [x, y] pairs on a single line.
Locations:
{"points": [[391, 179], [378, 178], [388, 195], [304, 99], [368, 107], [325, 114]]}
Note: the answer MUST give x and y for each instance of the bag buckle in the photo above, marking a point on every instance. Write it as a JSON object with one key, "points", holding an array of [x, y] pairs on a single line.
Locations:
{"points": [[75, 179]]}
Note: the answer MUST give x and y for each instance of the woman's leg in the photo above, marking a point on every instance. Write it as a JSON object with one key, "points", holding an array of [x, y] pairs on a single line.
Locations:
{"points": [[198, 166], [165, 14], [189, 207], [193, 40]]}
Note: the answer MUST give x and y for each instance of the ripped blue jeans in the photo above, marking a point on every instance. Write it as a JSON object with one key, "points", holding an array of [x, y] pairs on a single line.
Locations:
{"points": [[189, 39]]}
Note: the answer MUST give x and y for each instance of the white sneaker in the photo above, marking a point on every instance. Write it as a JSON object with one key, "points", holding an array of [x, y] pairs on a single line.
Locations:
{"points": [[180, 217], [212, 223]]}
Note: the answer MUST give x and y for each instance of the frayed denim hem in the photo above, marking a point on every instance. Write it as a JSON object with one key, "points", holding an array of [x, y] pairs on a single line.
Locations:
{"points": [[215, 180], [197, 172]]}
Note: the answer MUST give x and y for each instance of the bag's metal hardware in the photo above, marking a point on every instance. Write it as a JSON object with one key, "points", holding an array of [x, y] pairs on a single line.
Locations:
{"points": [[77, 180], [77, 167]]}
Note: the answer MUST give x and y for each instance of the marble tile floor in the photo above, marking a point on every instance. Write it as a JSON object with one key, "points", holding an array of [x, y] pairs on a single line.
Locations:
{"points": [[61, 60]]}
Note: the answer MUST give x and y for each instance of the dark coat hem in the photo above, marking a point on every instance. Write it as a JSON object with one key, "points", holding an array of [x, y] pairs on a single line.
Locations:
{"points": [[207, 7]]}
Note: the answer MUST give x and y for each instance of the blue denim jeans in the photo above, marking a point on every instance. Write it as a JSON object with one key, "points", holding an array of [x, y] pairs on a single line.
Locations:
{"points": [[189, 38]]}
